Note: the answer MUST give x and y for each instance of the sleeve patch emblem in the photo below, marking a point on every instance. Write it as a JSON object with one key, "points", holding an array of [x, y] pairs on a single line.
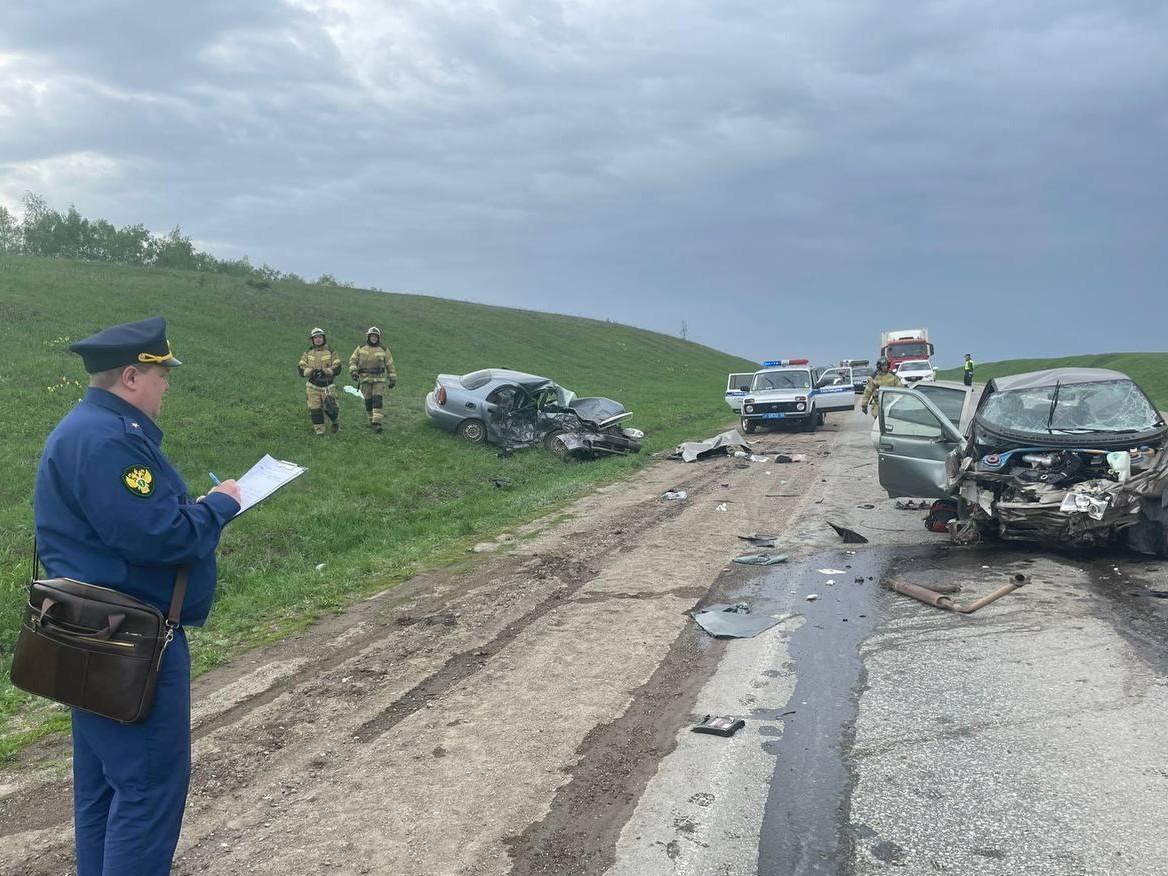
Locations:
{"points": [[139, 480]]}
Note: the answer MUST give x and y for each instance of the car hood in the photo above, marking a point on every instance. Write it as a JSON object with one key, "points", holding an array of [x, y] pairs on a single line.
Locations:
{"points": [[597, 409]]}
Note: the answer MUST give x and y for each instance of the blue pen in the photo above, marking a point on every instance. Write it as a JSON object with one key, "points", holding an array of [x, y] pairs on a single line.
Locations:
{"points": [[214, 479]]}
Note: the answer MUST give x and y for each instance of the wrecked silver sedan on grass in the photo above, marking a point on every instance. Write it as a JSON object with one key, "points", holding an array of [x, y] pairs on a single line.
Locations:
{"points": [[513, 409], [1073, 456]]}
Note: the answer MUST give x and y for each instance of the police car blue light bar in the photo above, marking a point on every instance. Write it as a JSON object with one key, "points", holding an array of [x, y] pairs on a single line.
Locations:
{"points": [[773, 363]]}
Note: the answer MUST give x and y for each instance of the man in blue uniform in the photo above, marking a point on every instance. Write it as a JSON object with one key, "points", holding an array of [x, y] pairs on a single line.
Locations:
{"points": [[110, 509]]}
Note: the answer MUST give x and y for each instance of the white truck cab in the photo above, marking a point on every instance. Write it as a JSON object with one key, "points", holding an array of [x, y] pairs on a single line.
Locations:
{"points": [[737, 386], [784, 390]]}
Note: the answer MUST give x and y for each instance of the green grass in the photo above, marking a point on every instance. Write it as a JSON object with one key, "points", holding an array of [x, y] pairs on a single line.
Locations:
{"points": [[374, 509], [1149, 370]]}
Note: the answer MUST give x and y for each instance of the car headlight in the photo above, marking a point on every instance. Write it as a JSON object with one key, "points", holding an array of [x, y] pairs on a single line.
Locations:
{"points": [[800, 407], [633, 433], [750, 409]]}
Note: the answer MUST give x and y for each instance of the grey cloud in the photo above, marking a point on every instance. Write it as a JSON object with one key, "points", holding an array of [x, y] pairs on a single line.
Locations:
{"points": [[748, 167]]}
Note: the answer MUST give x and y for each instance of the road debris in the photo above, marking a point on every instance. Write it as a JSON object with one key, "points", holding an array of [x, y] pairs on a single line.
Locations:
{"points": [[850, 536], [762, 559], [723, 621], [811, 597], [913, 505], [719, 726], [939, 600], [674, 496], [721, 507], [830, 571], [760, 540]]}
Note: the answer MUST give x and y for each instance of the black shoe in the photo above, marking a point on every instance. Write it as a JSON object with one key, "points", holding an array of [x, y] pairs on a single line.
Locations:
{"points": [[377, 428], [335, 426]]}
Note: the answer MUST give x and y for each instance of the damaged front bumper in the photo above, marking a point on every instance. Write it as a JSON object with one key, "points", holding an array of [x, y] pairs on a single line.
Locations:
{"points": [[1094, 512]]}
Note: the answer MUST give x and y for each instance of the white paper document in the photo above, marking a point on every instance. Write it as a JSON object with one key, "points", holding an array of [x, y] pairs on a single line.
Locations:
{"points": [[264, 478]]}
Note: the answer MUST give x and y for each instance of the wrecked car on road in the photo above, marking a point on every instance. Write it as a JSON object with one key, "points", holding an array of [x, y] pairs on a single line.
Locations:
{"points": [[1074, 456], [513, 409]]}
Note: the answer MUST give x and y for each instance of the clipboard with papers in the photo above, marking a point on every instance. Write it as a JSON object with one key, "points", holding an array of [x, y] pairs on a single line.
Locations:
{"points": [[264, 478]]}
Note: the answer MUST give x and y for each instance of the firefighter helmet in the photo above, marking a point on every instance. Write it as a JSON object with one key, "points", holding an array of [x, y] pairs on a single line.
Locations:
{"points": [[373, 330]]}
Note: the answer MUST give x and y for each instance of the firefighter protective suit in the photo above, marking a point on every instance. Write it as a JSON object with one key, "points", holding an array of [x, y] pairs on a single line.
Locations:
{"points": [[371, 369], [320, 367]]}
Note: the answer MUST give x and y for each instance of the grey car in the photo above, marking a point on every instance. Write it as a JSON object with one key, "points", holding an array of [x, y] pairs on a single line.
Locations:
{"points": [[1073, 456], [515, 409]]}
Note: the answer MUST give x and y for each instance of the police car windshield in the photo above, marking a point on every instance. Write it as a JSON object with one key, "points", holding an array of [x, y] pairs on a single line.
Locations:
{"points": [[765, 381]]}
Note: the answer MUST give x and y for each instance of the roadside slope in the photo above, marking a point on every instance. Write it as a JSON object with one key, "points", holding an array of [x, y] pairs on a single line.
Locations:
{"points": [[372, 510], [1149, 370]]}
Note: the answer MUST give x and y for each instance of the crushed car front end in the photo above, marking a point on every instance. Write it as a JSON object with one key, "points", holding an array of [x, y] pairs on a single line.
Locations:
{"points": [[1077, 457]]}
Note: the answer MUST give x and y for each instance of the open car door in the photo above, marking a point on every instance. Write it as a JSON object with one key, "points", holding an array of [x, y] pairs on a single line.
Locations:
{"points": [[917, 444], [734, 391], [834, 391]]}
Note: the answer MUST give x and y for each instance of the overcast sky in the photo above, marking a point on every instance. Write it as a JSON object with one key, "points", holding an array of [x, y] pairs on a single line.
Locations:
{"points": [[787, 176]]}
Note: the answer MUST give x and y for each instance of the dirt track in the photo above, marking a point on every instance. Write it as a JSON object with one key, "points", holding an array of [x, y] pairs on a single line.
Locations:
{"points": [[430, 728]]}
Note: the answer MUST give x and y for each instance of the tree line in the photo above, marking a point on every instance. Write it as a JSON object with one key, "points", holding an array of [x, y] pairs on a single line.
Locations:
{"points": [[42, 231]]}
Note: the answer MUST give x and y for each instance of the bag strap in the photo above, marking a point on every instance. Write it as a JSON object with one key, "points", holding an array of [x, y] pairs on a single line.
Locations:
{"points": [[173, 614], [176, 600]]}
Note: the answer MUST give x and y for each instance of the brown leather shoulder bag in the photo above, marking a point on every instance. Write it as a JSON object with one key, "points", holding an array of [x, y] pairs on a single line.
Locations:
{"points": [[93, 648]]}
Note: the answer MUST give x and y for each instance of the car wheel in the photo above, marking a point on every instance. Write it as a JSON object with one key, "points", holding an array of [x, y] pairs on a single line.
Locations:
{"points": [[748, 426], [810, 422], [819, 419], [472, 431], [553, 442]]}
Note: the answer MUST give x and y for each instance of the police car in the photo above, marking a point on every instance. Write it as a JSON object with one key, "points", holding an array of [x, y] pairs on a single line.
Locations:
{"points": [[784, 391]]}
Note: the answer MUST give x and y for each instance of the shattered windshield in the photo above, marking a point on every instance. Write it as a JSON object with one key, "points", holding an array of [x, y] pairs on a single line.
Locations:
{"points": [[765, 381], [1108, 406]]}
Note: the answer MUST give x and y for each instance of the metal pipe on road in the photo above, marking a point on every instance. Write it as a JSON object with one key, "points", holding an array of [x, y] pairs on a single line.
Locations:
{"points": [[939, 600]]}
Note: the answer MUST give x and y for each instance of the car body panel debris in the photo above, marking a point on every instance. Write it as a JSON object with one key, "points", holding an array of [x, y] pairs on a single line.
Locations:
{"points": [[719, 725], [760, 540], [1074, 456], [719, 445], [761, 559], [674, 496], [850, 536], [513, 409], [732, 621]]}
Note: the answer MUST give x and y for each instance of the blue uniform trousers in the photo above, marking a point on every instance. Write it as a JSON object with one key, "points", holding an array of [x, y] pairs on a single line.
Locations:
{"points": [[130, 780]]}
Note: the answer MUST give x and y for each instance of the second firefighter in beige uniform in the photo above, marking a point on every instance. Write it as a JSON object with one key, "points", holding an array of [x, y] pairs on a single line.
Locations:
{"points": [[320, 366], [371, 368]]}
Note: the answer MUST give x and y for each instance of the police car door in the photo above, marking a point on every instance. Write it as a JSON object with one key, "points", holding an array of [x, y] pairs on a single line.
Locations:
{"points": [[834, 391], [734, 391]]}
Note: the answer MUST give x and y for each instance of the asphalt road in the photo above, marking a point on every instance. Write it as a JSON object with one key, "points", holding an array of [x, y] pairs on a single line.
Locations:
{"points": [[531, 712]]}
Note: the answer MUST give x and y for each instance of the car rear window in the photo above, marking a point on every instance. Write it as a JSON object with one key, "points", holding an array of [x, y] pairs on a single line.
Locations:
{"points": [[475, 379]]}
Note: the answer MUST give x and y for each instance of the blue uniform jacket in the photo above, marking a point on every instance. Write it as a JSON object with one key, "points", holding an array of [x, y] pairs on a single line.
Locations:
{"points": [[110, 509]]}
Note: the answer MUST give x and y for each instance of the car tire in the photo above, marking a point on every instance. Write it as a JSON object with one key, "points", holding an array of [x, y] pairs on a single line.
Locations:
{"points": [[748, 426], [472, 431], [810, 422], [553, 444], [819, 420]]}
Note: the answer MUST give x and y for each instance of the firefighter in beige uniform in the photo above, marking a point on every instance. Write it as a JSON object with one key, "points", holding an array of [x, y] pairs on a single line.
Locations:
{"points": [[371, 368], [320, 366], [882, 377]]}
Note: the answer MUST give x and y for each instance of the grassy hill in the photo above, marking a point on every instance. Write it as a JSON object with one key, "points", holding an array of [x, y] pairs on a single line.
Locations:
{"points": [[373, 509], [1149, 370]]}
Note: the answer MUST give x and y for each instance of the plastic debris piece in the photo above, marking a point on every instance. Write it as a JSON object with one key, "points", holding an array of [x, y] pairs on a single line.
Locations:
{"points": [[320, 566], [719, 725], [811, 597], [721, 507], [352, 390], [732, 621], [849, 536], [762, 559], [754, 457], [760, 540], [674, 495], [830, 571]]}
